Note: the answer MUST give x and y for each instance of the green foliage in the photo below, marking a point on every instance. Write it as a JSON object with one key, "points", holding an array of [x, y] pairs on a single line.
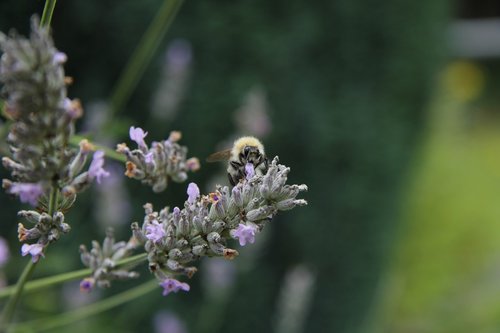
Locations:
{"points": [[443, 275]]}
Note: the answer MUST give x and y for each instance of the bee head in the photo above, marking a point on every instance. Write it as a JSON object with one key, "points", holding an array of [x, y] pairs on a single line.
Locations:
{"points": [[247, 149], [250, 151]]}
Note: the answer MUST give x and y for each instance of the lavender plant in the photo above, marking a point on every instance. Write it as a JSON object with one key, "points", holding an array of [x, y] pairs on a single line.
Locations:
{"points": [[43, 165], [47, 172]]}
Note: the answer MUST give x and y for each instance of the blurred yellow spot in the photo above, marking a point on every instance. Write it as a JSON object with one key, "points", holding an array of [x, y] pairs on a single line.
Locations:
{"points": [[464, 80]]}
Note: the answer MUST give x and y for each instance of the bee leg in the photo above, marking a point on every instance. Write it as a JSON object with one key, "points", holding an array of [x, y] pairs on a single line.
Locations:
{"points": [[231, 179], [235, 164], [263, 164], [266, 164]]}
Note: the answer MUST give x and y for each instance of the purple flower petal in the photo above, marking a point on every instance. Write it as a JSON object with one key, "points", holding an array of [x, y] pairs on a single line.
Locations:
{"points": [[193, 192], [27, 192], [155, 231], [249, 170], [149, 158], [35, 250], [95, 170], [87, 284], [172, 285], [59, 58], [245, 234], [138, 135]]}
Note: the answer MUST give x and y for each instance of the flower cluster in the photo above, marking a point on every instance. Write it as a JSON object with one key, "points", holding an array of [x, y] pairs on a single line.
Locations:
{"points": [[43, 118], [46, 229], [156, 165], [103, 261], [34, 89], [175, 238]]}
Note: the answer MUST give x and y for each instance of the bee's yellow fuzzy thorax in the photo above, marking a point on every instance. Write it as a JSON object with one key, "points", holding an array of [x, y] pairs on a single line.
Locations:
{"points": [[246, 141]]}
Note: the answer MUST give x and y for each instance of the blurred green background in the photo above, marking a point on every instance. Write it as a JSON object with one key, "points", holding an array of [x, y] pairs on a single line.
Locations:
{"points": [[382, 108]]}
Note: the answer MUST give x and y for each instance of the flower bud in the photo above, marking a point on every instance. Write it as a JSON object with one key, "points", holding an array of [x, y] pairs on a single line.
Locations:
{"points": [[237, 198], [219, 209], [30, 215], [199, 250], [174, 254], [259, 213], [285, 204]]}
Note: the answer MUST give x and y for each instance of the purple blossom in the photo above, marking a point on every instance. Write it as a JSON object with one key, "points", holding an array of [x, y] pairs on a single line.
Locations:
{"points": [[172, 285], [149, 158], [193, 192], [245, 234], [35, 250], [27, 192], [214, 197], [87, 284], [249, 170], [138, 135], [4, 251], [155, 231], [59, 58], [95, 170], [177, 213]]}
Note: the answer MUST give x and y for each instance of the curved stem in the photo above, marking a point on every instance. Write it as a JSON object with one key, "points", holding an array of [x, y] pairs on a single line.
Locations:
{"points": [[60, 278], [10, 307], [48, 10], [142, 55], [75, 141], [98, 307]]}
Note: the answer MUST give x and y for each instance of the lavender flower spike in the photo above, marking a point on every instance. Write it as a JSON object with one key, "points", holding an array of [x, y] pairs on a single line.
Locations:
{"points": [[27, 192], [102, 260], [159, 164], [172, 285], [206, 223], [245, 233], [35, 250], [193, 192], [95, 170], [137, 134]]}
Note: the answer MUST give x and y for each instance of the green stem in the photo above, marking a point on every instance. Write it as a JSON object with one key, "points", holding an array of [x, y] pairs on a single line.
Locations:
{"points": [[8, 311], [84, 312], [54, 193], [75, 141], [142, 55], [11, 305], [48, 10], [56, 279]]}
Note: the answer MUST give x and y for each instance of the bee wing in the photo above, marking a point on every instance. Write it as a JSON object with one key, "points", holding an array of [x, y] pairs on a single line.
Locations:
{"points": [[219, 156]]}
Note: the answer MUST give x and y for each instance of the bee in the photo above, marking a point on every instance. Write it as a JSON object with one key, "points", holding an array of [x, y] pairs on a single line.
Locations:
{"points": [[247, 149]]}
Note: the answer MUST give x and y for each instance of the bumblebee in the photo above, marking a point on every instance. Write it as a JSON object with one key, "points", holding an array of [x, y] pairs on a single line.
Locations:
{"points": [[245, 150]]}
